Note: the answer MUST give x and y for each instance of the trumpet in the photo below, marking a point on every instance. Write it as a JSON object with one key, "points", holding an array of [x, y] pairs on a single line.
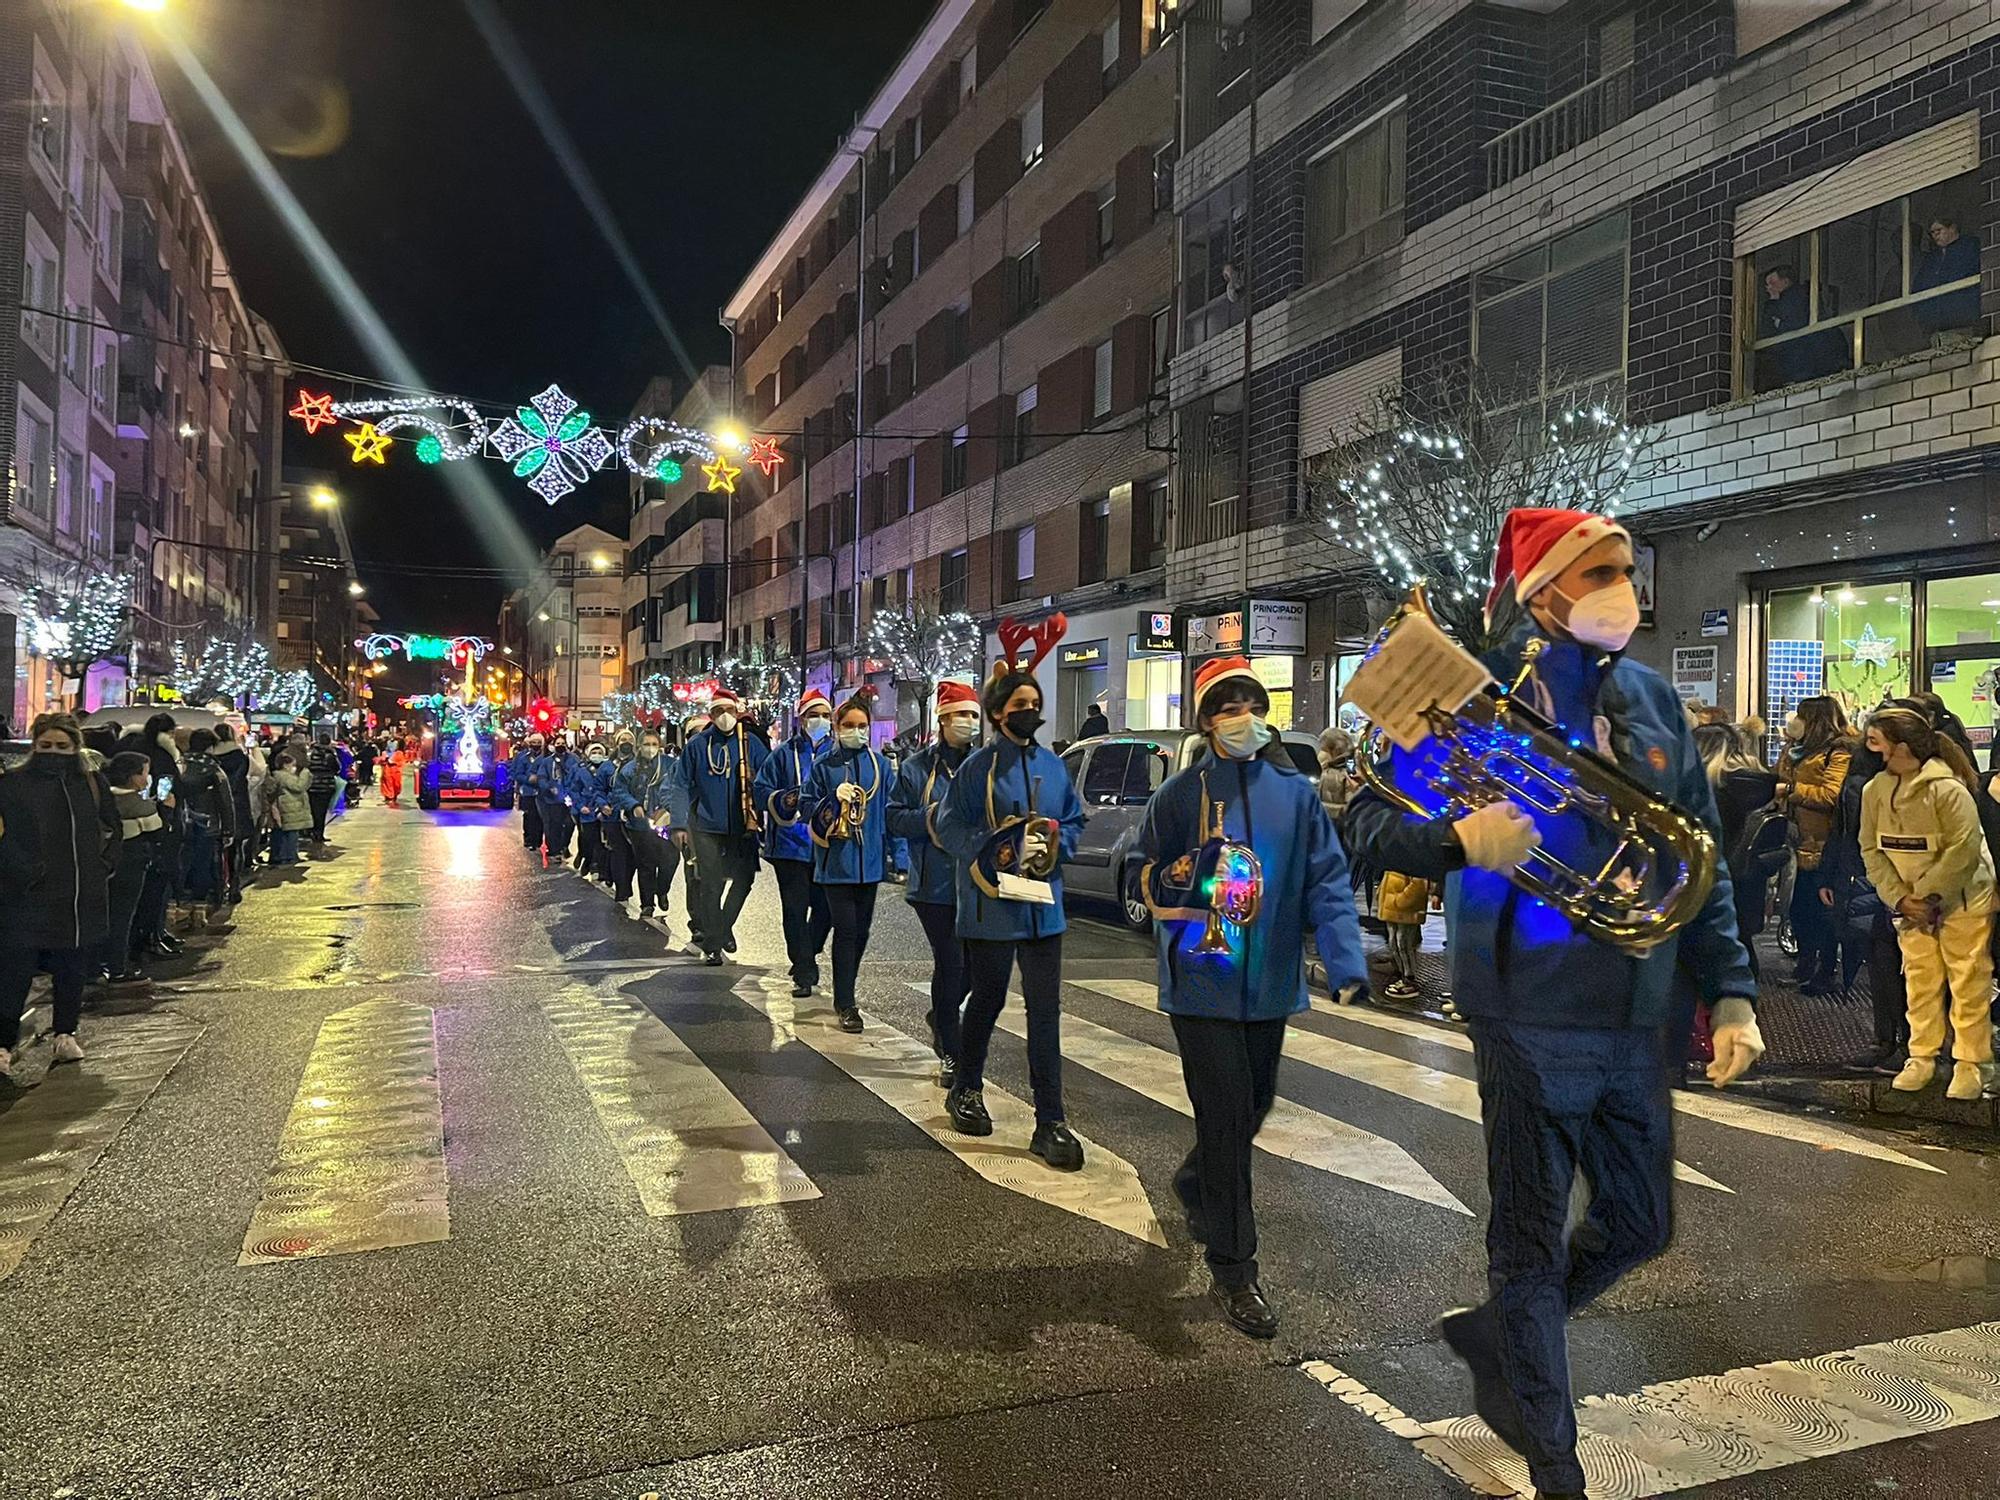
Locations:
{"points": [[853, 814], [1650, 865], [1235, 885]]}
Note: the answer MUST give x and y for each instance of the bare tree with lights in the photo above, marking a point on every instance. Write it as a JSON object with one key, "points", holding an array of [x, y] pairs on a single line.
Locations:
{"points": [[923, 645], [228, 665], [78, 626], [766, 679], [1418, 492]]}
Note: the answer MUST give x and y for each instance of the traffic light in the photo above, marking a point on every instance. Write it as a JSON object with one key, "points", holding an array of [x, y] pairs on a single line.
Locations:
{"points": [[544, 717]]}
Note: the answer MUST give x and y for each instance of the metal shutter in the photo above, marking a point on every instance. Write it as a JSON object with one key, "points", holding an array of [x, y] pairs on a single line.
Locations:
{"points": [[1905, 166]]}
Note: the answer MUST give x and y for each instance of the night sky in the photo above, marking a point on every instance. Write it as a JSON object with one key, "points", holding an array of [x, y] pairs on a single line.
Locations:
{"points": [[701, 125]]}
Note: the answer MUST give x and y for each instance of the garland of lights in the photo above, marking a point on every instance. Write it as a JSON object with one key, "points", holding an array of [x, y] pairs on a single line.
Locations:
{"points": [[454, 648], [442, 442], [83, 627]]}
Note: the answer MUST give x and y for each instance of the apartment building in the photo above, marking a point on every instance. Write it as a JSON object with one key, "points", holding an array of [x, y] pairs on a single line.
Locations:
{"points": [[567, 629], [955, 336], [141, 421], [317, 609], [675, 560], [1767, 229]]}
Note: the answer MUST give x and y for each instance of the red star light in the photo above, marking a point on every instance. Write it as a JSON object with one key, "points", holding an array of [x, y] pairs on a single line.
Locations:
{"points": [[766, 455], [315, 411]]}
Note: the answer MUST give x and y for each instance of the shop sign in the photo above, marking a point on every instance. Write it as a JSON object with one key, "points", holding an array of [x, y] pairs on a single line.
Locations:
{"points": [[1278, 627], [1695, 673], [1944, 671], [1089, 654], [1642, 582], [1156, 630], [1715, 622], [1215, 635]]}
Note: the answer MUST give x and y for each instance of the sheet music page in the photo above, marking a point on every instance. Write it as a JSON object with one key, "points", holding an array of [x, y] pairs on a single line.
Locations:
{"points": [[1417, 668]]}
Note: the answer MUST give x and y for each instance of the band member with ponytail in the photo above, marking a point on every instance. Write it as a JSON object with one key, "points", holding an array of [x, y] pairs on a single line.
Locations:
{"points": [[788, 841], [1009, 820], [716, 810], [848, 798], [1242, 864], [933, 889]]}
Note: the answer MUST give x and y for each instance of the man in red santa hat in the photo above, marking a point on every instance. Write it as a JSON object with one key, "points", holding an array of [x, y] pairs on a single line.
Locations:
{"points": [[1571, 1036]]}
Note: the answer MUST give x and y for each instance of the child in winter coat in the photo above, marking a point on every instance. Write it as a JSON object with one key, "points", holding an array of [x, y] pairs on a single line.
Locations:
{"points": [[1922, 845], [1403, 901]]}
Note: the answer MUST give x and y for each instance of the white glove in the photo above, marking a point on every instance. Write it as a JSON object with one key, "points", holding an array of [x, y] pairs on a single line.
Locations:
{"points": [[1035, 846], [1497, 836], [1732, 1028], [847, 792]]}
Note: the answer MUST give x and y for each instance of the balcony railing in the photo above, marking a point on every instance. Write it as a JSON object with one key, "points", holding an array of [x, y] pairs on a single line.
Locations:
{"points": [[1563, 126]]}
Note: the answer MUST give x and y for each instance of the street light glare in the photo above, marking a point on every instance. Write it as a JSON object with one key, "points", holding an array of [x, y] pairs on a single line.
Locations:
{"points": [[150, 6], [324, 496], [542, 615], [599, 561], [356, 590], [730, 437]]}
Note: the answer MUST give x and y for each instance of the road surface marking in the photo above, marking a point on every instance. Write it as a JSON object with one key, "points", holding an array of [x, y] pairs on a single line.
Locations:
{"points": [[687, 1142], [360, 1161], [54, 1135], [1439, 1451], [1709, 1428], [1290, 1130], [1431, 1087], [901, 1071], [1710, 1106]]}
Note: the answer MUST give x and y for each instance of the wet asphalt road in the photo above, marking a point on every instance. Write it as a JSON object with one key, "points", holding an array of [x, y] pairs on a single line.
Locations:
{"points": [[913, 1329]]}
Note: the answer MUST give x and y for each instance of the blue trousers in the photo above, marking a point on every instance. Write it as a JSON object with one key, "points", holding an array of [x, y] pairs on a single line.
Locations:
{"points": [[1558, 1100]]}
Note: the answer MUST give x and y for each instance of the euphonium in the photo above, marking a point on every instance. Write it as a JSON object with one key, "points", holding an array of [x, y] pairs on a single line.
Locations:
{"points": [[1236, 886], [1650, 865]]}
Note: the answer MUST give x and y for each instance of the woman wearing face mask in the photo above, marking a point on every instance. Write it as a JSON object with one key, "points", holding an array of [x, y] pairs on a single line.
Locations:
{"points": [[1818, 746], [788, 845], [640, 802], [1229, 1007], [847, 799], [59, 835], [1923, 849], [715, 817], [615, 851], [1010, 819], [589, 793], [919, 792]]}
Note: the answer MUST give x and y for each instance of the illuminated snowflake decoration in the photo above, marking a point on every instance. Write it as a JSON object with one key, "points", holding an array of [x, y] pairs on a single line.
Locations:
{"points": [[1872, 650], [552, 445]]}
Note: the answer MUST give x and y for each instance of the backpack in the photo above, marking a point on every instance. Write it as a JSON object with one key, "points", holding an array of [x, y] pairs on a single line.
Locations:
{"points": [[1761, 844]]}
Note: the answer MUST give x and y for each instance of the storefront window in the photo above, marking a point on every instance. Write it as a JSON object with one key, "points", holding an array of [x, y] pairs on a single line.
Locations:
{"points": [[1275, 672], [1962, 648], [1152, 691], [1852, 641], [1346, 715]]}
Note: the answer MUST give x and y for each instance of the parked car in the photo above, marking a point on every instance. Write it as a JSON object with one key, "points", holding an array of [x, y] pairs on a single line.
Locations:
{"points": [[1115, 776]]}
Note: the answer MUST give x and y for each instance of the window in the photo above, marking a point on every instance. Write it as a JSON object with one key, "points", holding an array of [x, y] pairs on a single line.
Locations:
{"points": [[1210, 475], [104, 376], [1107, 218], [1163, 179], [70, 490], [1026, 13], [952, 573], [34, 462], [1874, 285], [1031, 132], [1149, 525], [1028, 280], [1023, 554], [968, 73], [1213, 242], [1550, 324], [1104, 778], [954, 462], [75, 336], [110, 233], [1146, 770], [1354, 198], [957, 336], [1022, 446], [965, 203], [1093, 535], [39, 294], [1162, 352], [45, 124], [97, 520], [1100, 389], [1107, 45]]}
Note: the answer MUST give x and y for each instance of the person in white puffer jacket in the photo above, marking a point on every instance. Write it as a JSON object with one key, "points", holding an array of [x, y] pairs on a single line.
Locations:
{"points": [[1923, 849]]}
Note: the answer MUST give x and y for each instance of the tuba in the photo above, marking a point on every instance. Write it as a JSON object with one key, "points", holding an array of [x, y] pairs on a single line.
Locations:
{"points": [[1649, 865]]}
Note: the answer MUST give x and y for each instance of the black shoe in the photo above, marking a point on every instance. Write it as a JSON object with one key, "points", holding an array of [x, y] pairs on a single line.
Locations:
{"points": [[967, 1108], [1246, 1309], [947, 1074], [130, 977], [729, 944], [1474, 1338], [712, 959], [1057, 1145], [800, 991], [1891, 1062], [645, 914], [1874, 1060], [850, 1020]]}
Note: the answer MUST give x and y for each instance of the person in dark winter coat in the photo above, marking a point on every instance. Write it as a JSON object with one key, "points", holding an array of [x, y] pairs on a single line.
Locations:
{"points": [[323, 771], [129, 777], [58, 829], [1868, 924], [241, 847], [208, 807]]}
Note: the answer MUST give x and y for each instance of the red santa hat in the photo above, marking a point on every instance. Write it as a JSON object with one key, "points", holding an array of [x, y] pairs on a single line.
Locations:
{"points": [[954, 693], [724, 701], [1217, 670], [1536, 544], [815, 699]]}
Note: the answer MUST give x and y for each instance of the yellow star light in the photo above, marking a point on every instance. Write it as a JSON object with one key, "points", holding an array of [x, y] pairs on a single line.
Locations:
{"points": [[721, 475], [370, 446]]}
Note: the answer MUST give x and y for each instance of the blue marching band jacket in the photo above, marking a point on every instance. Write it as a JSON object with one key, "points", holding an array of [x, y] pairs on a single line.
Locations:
{"points": [[549, 775], [858, 859], [587, 788], [642, 793], [779, 792], [1000, 785], [913, 808], [718, 775]]}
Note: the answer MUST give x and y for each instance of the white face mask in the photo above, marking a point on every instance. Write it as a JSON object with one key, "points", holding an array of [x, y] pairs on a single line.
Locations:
{"points": [[853, 739], [1242, 735], [724, 723], [817, 727], [957, 729], [1606, 617], [597, 752], [1795, 728]]}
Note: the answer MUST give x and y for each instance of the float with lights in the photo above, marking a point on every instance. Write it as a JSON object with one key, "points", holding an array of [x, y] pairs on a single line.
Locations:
{"points": [[465, 750]]}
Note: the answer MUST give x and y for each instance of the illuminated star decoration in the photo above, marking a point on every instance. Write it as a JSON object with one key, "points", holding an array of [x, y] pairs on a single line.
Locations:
{"points": [[552, 444], [1872, 649], [315, 411], [766, 455], [370, 446], [721, 475]]}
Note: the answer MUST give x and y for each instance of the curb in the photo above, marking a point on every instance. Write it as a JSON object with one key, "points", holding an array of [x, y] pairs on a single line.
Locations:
{"points": [[1873, 1096]]}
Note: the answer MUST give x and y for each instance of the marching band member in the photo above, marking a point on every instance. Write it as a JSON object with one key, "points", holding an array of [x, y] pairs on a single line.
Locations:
{"points": [[640, 801], [715, 815], [1231, 938], [588, 792], [1566, 1029], [521, 772], [848, 797], [933, 889], [615, 849], [788, 841], [1009, 820], [552, 772]]}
